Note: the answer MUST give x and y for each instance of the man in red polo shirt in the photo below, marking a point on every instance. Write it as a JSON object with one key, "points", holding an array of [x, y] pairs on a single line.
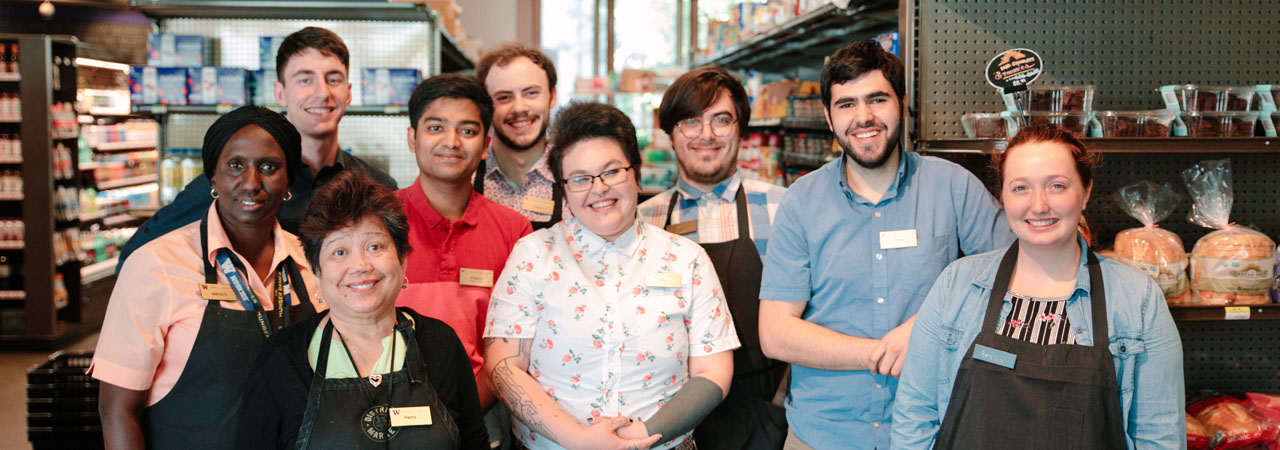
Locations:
{"points": [[460, 239]]}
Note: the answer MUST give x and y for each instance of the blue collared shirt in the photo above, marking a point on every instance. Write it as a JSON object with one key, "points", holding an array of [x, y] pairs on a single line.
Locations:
{"points": [[825, 250], [1144, 345]]}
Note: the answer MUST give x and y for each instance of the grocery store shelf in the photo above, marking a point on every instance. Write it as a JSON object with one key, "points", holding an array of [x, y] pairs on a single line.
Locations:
{"points": [[808, 38], [12, 245], [1198, 312], [121, 219], [126, 182], [16, 159], [10, 118], [792, 123], [9, 76], [1119, 145], [127, 145], [451, 57], [93, 216], [364, 110], [13, 295], [10, 196], [91, 165], [296, 10], [97, 271]]}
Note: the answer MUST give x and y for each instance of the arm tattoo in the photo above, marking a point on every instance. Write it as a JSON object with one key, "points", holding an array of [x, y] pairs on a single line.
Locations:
{"points": [[514, 395]]}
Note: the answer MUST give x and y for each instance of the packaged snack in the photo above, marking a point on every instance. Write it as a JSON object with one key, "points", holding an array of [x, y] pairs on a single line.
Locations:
{"points": [[1197, 434], [1155, 251], [1137, 123], [1055, 99], [1076, 123], [1192, 97], [1220, 124], [989, 125], [1235, 264], [1230, 424]]}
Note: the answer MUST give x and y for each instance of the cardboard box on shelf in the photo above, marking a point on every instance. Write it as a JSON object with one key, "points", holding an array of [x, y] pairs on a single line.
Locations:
{"points": [[634, 80], [267, 48], [262, 87], [772, 102], [216, 86], [172, 50], [157, 85], [388, 86]]}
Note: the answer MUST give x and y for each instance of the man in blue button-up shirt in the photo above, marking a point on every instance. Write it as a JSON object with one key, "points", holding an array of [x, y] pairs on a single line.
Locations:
{"points": [[855, 247]]}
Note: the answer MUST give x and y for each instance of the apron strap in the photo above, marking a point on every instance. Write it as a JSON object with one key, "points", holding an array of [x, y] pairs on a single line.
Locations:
{"points": [[557, 196], [1000, 288], [477, 180], [210, 274], [1097, 293], [1097, 301], [671, 206]]}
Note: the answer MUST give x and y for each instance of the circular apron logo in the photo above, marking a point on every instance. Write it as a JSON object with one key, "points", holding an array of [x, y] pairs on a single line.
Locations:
{"points": [[375, 422]]}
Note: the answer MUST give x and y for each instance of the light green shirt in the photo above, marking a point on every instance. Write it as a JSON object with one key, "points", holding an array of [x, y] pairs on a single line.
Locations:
{"points": [[340, 364]]}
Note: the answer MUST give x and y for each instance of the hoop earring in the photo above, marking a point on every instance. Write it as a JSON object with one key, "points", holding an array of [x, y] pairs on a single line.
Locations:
{"points": [[213, 193], [288, 195]]}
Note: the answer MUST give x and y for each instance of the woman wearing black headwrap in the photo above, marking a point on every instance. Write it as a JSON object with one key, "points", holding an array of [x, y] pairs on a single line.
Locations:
{"points": [[191, 309]]}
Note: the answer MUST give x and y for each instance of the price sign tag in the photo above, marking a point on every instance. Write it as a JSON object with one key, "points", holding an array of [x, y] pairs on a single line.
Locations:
{"points": [[222, 109], [391, 109], [1012, 70], [1237, 313], [159, 109]]}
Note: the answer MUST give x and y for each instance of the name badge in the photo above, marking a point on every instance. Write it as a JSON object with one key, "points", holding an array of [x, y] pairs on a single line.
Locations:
{"points": [[476, 277], [993, 356], [897, 239], [538, 205], [411, 416], [218, 292], [662, 279], [683, 227]]}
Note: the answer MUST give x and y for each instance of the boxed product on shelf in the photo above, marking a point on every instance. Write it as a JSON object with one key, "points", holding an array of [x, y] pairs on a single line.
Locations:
{"points": [[173, 50], [1193, 97], [216, 86], [388, 86], [1220, 123], [1052, 99], [157, 85], [772, 101], [999, 125], [1157, 123], [267, 48], [262, 86], [889, 42]]}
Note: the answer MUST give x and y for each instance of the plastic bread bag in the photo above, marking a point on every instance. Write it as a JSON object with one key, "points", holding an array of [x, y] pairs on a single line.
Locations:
{"points": [[1266, 407], [1230, 424], [1234, 265], [1156, 251], [1198, 436]]}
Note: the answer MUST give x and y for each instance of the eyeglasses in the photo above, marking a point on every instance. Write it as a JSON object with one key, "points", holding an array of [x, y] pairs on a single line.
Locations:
{"points": [[610, 177], [721, 124]]}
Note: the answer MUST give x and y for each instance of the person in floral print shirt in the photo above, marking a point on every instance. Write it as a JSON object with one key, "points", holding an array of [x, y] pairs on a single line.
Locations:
{"points": [[605, 332]]}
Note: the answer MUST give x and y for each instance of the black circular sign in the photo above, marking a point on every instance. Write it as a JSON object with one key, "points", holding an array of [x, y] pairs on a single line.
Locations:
{"points": [[375, 422], [1014, 69]]}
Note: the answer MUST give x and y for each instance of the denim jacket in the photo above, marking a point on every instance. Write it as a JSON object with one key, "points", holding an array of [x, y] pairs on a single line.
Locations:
{"points": [[1144, 345]]}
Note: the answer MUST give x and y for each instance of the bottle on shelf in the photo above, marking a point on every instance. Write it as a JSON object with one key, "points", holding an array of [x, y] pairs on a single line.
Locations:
{"points": [[170, 176], [191, 167]]}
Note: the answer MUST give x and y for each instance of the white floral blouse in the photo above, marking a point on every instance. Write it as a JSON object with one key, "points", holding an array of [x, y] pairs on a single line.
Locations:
{"points": [[614, 324]]}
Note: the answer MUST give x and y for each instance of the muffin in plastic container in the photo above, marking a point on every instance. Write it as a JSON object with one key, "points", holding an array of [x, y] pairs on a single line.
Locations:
{"points": [[1193, 97], [1076, 123], [1155, 123], [989, 125], [1055, 99], [1220, 124]]}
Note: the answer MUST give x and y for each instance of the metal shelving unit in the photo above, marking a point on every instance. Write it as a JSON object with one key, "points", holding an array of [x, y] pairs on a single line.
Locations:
{"points": [[807, 39]]}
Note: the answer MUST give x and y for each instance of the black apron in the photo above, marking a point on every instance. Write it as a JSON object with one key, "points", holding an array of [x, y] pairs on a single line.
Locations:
{"points": [[1056, 396], [556, 196], [747, 418], [202, 410], [339, 414]]}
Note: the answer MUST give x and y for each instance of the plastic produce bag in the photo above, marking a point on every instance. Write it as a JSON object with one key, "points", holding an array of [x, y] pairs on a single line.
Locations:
{"points": [[1234, 265], [1155, 251]]}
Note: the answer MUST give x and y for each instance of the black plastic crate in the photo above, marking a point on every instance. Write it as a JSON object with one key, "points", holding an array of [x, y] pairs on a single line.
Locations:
{"points": [[62, 390], [58, 438], [62, 404], [62, 367], [59, 405], [63, 419]]}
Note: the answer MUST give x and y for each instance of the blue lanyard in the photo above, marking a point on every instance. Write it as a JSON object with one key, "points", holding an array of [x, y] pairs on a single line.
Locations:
{"points": [[248, 299]]}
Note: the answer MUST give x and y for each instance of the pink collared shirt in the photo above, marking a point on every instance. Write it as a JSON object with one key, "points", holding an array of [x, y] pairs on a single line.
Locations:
{"points": [[155, 309]]}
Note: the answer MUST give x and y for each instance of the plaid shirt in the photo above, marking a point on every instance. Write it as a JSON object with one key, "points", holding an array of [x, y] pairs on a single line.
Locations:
{"points": [[716, 210]]}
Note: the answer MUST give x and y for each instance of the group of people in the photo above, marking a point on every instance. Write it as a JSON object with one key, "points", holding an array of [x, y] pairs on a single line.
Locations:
{"points": [[518, 294]]}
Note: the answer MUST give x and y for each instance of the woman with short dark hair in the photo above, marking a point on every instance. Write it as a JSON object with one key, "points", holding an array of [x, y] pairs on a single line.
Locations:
{"points": [[365, 374]]}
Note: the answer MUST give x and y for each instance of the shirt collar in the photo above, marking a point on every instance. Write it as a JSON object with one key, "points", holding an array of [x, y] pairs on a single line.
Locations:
{"points": [[726, 190], [584, 242], [894, 189], [286, 245], [418, 200], [986, 277]]}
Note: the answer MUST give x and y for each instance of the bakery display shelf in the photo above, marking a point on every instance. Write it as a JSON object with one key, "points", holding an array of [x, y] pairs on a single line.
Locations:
{"points": [[362, 110], [97, 271], [10, 196], [125, 182], [808, 37], [13, 295], [1119, 145], [12, 245], [15, 159], [123, 146], [294, 9], [1212, 312]]}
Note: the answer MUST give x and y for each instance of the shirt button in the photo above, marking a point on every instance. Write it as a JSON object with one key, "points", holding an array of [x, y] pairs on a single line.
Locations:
{"points": [[1079, 330], [877, 213], [875, 424], [880, 300], [878, 386], [879, 256]]}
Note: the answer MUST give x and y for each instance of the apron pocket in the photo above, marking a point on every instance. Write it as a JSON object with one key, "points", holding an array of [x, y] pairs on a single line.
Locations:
{"points": [[1065, 429]]}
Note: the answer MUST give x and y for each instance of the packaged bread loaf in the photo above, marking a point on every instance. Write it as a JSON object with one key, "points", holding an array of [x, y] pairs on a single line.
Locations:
{"points": [[1229, 423], [1233, 265], [1197, 434], [1155, 251]]}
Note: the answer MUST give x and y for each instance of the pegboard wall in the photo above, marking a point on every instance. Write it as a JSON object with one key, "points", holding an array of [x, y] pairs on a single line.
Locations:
{"points": [[379, 140], [1231, 356], [1126, 49]]}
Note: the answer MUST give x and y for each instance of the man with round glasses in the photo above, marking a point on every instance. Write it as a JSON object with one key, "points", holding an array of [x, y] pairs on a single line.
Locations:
{"points": [[705, 112]]}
